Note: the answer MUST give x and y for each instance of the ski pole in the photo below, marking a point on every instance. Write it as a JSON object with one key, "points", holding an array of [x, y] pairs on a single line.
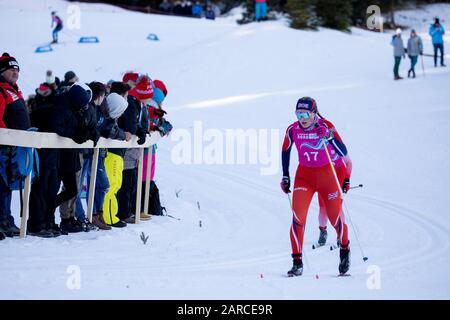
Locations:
{"points": [[168, 215], [355, 187], [342, 198], [304, 229], [423, 68]]}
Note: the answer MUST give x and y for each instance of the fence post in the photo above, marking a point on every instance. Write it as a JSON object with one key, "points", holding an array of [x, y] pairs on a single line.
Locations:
{"points": [[147, 179], [137, 214], [26, 200], [92, 182]]}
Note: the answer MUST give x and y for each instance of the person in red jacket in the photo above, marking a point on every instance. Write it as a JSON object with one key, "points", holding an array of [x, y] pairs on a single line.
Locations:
{"points": [[13, 115]]}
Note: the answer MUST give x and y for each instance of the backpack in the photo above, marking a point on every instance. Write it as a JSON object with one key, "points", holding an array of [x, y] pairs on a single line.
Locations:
{"points": [[154, 204], [14, 167]]}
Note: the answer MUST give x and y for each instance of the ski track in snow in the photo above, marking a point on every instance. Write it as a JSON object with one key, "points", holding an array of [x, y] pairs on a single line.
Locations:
{"points": [[242, 249]]}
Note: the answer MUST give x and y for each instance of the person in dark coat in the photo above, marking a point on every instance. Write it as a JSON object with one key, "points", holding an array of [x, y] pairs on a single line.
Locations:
{"points": [[67, 117]]}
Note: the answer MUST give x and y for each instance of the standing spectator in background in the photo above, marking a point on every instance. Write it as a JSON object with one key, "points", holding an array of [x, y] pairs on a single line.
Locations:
{"points": [[165, 6], [13, 115], [437, 36], [58, 26], [399, 52], [216, 9], [414, 49], [197, 10], [209, 14], [260, 10], [177, 8]]}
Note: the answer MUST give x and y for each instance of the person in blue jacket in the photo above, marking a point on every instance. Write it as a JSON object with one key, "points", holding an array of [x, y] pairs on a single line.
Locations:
{"points": [[209, 14], [197, 10], [437, 32]]}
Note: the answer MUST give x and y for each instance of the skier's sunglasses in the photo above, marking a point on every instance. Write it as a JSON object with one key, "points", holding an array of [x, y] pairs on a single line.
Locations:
{"points": [[304, 115]]}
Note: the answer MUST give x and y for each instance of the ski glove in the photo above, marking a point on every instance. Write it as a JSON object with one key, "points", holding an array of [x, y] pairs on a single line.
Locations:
{"points": [[142, 135], [346, 185], [285, 184]]}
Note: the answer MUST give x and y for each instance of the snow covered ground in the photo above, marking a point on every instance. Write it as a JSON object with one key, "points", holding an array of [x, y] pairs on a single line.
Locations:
{"points": [[224, 76]]}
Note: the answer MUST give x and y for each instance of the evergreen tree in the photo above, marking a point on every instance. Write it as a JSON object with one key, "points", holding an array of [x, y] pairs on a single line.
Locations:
{"points": [[335, 14], [303, 14]]}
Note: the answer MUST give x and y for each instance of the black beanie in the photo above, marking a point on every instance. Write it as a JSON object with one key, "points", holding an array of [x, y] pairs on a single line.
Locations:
{"points": [[78, 96], [8, 62]]}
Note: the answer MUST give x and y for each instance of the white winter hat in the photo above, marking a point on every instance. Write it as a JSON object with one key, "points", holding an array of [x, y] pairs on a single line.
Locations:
{"points": [[50, 77], [398, 31], [116, 105]]}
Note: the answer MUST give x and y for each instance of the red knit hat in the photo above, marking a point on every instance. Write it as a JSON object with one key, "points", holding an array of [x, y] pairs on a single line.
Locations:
{"points": [[130, 76], [44, 89], [160, 85], [144, 88]]}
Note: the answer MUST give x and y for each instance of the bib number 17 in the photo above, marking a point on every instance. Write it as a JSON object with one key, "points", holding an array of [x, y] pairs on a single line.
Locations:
{"points": [[313, 154]]}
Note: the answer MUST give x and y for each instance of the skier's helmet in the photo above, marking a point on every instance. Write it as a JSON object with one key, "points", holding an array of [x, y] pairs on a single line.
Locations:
{"points": [[306, 103]]}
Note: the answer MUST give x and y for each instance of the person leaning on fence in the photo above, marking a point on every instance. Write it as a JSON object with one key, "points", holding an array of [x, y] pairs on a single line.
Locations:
{"points": [[414, 49], [45, 186], [116, 105], [135, 121], [109, 129], [65, 117], [102, 183], [13, 115], [157, 123], [70, 169], [76, 209]]}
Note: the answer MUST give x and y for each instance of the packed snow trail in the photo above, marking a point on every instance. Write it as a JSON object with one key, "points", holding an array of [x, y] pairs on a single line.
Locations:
{"points": [[249, 77]]}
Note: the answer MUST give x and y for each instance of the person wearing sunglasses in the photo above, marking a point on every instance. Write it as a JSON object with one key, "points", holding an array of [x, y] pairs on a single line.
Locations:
{"points": [[311, 136]]}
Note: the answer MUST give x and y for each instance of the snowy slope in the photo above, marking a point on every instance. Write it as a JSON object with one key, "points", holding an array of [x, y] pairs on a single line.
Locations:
{"points": [[240, 77]]}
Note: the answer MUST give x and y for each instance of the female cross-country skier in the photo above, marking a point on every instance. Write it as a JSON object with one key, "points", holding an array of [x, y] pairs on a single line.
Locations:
{"points": [[344, 180], [58, 26], [311, 136]]}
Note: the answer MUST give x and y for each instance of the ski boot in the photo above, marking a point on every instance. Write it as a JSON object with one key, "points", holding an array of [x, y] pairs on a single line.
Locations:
{"points": [[322, 237], [344, 265], [297, 266]]}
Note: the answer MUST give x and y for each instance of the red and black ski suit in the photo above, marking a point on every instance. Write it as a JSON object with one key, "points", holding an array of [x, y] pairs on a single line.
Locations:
{"points": [[315, 174]]}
